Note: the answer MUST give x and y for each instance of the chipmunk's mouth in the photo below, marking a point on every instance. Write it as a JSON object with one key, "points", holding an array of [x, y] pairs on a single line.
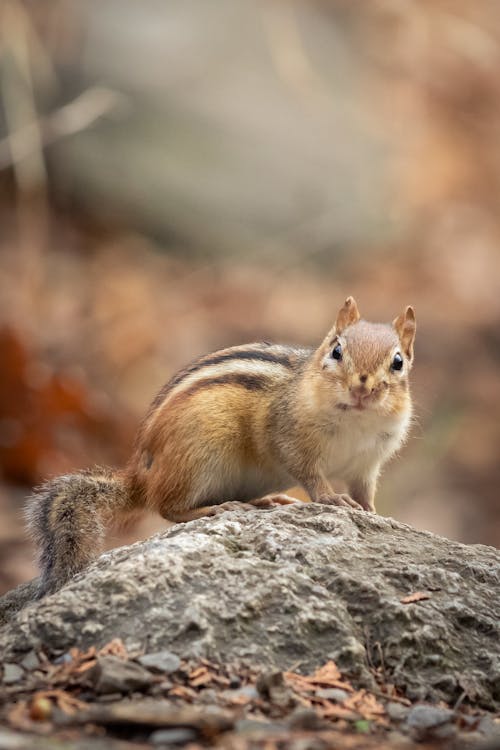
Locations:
{"points": [[361, 403], [357, 406], [361, 400]]}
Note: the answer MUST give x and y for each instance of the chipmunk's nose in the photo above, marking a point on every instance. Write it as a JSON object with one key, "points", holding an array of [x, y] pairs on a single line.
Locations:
{"points": [[362, 384], [362, 388]]}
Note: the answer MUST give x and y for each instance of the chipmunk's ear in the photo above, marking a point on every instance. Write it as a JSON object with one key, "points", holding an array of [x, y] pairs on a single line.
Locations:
{"points": [[406, 326], [347, 315]]}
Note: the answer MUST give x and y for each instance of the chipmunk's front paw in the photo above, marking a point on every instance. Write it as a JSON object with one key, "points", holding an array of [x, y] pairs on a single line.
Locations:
{"points": [[343, 500]]}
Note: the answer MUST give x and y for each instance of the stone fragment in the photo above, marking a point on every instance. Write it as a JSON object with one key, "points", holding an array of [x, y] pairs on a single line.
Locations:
{"points": [[247, 692], [178, 736], [430, 722], [12, 673], [160, 714], [306, 718], [333, 694], [161, 661], [259, 728], [428, 717], [271, 686], [113, 675], [396, 711], [30, 661]]}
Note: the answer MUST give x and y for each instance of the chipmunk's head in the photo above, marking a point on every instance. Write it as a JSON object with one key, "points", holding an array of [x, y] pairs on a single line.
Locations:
{"points": [[365, 366]]}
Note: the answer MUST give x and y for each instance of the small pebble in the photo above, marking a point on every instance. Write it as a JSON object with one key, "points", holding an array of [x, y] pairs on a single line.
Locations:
{"points": [[428, 717], [63, 659], [425, 722], [489, 727], [271, 686], [444, 732], [333, 694], [161, 661], [166, 685], [305, 718], [396, 711], [207, 695], [309, 743], [254, 726], [12, 673], [247, 691], [109, 697], [112, 675], [30, 661], [179, 736]]}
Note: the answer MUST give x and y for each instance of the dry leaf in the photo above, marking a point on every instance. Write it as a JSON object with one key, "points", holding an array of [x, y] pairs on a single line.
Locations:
{"points": [[202, 679], [331, 710], [365, 704], [18, 716], [179, 691], [418, 596], [327, 674], [65, 701], [116, 647]]}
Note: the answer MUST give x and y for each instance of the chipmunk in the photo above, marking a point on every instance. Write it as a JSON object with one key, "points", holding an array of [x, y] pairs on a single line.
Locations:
{"points": [[241, 426]]}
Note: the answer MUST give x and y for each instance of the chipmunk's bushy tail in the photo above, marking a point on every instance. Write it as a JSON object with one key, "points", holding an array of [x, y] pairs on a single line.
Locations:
{"points": [[67, 518]]}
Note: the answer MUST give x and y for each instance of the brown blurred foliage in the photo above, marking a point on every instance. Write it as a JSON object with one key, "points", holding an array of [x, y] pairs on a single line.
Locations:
{"points": [[47, 417], [352, 149]]}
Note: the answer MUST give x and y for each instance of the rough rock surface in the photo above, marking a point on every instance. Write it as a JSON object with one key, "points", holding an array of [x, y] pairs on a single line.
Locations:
{"points": [[298, 584]]}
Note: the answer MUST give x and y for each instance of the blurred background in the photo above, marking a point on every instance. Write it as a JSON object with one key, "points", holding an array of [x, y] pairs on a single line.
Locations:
{"points": [[179, 177]]}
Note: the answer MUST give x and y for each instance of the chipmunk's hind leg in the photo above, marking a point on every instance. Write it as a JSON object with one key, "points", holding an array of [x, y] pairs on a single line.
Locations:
{"points": [[264, 503], [274, 500]]}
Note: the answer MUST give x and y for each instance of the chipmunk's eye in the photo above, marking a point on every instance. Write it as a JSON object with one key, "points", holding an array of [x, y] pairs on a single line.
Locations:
{"points": [[397, 362], [337, 352]]}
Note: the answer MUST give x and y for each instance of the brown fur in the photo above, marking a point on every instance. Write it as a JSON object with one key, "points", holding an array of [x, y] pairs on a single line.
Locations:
{"points": [[237, 425], [67, 517]]}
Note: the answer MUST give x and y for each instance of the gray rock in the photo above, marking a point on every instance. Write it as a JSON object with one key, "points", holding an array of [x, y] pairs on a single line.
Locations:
{"points": [[25, 741], [428, 717], [109, 697], [306, 718], [12, 674], [165, 685], [256, 727], [178, 736], [113, 675], [396, 711], [30, 661], [162, 661], [489, 728], [271, 686], [11, 740], [247, 691], [303, 583], [332, 694]]}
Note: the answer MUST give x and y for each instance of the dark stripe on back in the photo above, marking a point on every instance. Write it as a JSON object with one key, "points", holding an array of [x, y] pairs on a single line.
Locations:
{"points": [[215, 359], [249, 382]]}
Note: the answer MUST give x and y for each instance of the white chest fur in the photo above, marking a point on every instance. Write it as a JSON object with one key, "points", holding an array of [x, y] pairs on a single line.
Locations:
{"points": [[360, 441]]}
